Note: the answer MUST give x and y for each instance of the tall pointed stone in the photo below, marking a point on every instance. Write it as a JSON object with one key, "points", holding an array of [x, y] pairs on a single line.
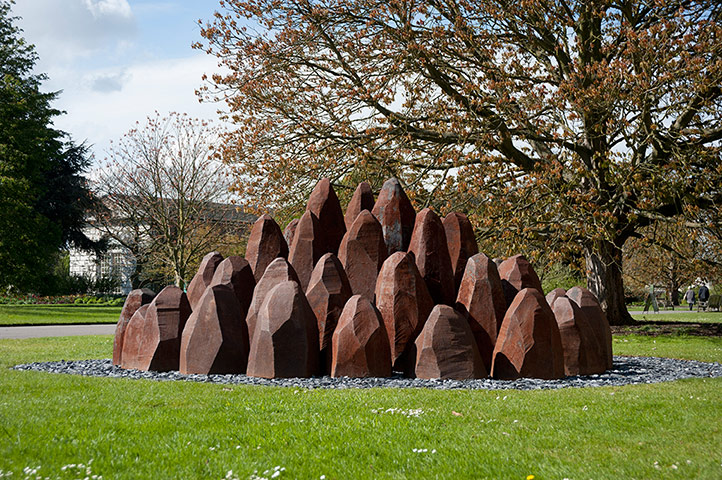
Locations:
{"points": [[360, 345], [461, 242], [428, 244], [215, 339], [236, 273], [153, 342], [363, 199], [404, 303], [516, 274], [554, 294], [135, 299], [396, 216], [362, 253], [307, 248], [203, 277], [324, 203], [446, 349], [290, 231], [286, 340], [265, 243], [278, 271], [481, 300], [327, 293], [596, 317], [529, 343], [582, 355]]}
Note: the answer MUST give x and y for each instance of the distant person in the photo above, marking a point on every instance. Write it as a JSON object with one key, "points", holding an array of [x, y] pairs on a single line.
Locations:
{"points": [[690, 297], [703, 296]]}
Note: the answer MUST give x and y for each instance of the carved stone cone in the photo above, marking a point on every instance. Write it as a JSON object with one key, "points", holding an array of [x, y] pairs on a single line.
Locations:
{"points": [[327, 294], [554, 294], [360, 344], [446, 348], [215, 338], [203, 277], [578, 341], [363, 199], [307, 248], [597, 320], [461, 243], [152, 341], [324, 203], [290, 232], [265, 243], [481, 300], [286, 340], [428, 244], [516, 274], [396, 215], [404, 303], [236, 273], [278, 271], [136, 299], [362, 253], [529, 343]]}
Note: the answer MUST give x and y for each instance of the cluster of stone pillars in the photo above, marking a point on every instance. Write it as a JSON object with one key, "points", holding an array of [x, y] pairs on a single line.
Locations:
{"points": [[378, 289]]}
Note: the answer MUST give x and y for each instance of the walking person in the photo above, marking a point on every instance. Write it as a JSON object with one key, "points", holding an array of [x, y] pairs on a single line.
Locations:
{"points": [[690, 297], [703, 296]]}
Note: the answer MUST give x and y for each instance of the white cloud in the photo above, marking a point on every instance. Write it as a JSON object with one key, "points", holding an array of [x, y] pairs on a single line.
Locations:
{"points": [[100, 8]]}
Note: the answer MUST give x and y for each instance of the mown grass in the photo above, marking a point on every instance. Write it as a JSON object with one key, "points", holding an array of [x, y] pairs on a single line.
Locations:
{"points": [[146, 429], [58, 314], [680, 316]]}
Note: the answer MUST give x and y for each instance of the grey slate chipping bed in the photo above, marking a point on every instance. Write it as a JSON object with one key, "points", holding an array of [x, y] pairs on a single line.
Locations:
{"points": [[626, 371]]}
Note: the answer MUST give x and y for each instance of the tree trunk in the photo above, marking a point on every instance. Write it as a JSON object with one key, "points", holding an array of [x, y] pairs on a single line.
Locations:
{"points": [[604, 279]]}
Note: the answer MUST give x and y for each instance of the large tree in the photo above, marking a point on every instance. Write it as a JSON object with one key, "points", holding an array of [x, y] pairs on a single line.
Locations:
{"points": [[43, 195], [562, 125]]}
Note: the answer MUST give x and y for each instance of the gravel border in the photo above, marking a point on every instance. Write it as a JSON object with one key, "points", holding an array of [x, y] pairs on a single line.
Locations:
{"points": [[626, 371]]}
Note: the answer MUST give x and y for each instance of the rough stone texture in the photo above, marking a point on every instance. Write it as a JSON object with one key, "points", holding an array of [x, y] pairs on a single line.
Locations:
{"points": [[363, 199], [360, 343], [324, 203], [327, 293], [597, 319], [446, 349], [135, 299], [286, 341], [528, 344], [362, 253], [278, 271], [405, 304], [461, 243], [554, 294], [152, 341], [578, 340], [265, 243], [481, 301], [236, 273], [516, 274], [290, 231], [203, 277], [307, 248], [428, 244], [396, 216], [215, 338]]}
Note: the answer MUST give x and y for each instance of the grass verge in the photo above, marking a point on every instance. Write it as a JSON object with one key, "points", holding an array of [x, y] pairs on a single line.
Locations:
{"points": [[121, 428], [680, 316], [58, 314]]}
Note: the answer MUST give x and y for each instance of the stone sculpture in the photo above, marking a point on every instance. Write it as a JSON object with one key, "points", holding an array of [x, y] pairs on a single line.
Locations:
{"points": [[581, 348], [597, 319], [362, 253], [290, 232], [554, 294], [203, 277], [461, 242], [324, 203], [363, 199], [428, 244], [236, 273], [135, 299], [516, 274], [265, 243], [308, 246], [396, 216]]}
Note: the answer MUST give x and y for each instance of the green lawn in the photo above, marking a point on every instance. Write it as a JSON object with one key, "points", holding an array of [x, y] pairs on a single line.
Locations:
{"points": [[122, 428], [57, 314], [680, 316]]}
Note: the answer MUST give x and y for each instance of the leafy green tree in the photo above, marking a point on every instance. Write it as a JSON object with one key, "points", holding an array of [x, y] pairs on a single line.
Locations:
{"points": [[43, 195]]}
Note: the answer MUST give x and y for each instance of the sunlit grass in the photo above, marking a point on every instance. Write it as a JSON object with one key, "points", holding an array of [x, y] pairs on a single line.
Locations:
{"points": [[58, 314]]}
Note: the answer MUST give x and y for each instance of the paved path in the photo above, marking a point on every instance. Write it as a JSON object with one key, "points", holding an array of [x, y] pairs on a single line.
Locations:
{"points": [[56, 330]]}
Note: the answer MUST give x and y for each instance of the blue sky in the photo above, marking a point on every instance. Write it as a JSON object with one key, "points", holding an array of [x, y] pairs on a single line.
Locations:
{"points": [[118, 61]]}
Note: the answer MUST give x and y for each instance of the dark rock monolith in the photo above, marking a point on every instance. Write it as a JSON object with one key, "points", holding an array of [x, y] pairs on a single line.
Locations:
{"points": [[461, 243], [528, 344], [597, 320], [265, 243], [516, 274], [203, 277], [286, 340], [362, 253], [445, 348], [236, 273], [428, 244], [307, 248], [363, 199], [360, 343], [135, 299], [581, 349], [554, 294], [215, 338], [324, 203], [396, 216], [290, 231]]}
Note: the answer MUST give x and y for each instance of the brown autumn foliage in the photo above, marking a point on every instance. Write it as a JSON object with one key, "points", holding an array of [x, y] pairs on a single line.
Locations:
{"points": [[561, 127]]}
